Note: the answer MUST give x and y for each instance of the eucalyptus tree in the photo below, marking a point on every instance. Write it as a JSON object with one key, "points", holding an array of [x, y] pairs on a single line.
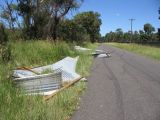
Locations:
{"points": [[38, 15], [9, 14], [57, 10], [110, 37], [119, 34], [148, 28], [91, 22], [70, 31]]}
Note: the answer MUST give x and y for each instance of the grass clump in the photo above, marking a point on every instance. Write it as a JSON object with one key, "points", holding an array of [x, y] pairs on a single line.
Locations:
{"points": [[14, 106], [146, 50], [37, 53]]}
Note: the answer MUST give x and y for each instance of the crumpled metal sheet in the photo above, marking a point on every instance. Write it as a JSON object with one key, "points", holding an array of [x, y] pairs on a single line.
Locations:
{"points": [[39, 84], [67, 66], [46, 84]]}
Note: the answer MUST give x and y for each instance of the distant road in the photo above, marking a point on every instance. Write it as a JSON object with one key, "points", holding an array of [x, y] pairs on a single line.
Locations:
{"points": [[125, 86]]}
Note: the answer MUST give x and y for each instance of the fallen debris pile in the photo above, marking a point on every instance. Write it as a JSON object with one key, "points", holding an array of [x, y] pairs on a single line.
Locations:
{"points": [[49, 80], [34, 81], [101, 54], [40, 84], [97, 53], [81, 48]]}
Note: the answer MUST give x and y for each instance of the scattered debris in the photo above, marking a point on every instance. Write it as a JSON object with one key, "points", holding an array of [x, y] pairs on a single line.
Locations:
{"points": [[104, 55], [99, 51], [84, 79], [81, 48], [34, 81], [40, 84], [101, 54], [67, 66]]}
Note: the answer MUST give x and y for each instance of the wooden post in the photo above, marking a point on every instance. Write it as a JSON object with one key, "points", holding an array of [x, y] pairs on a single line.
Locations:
{"points": [[46, 98]]}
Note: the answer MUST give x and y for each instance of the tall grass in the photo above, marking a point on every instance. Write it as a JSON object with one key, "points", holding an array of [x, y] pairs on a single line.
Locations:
{"points": [[39, 53], [85, 61], [146, 50], [14, 106]]}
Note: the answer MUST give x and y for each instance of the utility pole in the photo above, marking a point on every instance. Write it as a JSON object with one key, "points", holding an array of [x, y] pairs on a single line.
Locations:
{"points": [[131, 20]]}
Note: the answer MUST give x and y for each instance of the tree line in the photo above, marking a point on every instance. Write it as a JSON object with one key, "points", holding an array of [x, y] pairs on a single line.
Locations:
{"points": [[147, 35], [45, 19]]}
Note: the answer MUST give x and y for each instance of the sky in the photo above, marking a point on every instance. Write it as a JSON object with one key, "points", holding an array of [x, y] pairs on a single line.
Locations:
{"points": [[116, 13]]}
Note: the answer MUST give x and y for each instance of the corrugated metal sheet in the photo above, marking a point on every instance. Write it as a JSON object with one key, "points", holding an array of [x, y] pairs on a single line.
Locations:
{"points": [[40, 83], [67, 66]]}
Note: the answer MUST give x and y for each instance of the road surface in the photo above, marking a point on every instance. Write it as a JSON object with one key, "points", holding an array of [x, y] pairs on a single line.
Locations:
{"points": [[125, 86]]}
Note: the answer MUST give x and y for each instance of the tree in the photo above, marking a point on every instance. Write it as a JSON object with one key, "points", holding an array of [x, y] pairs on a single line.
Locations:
{"points": [[136, 36], [58, 9], [9, 14], [119, 34], [41, 17], [91, 22], [126, 36], [69, 30], [3, 35], [5, 51], [148, 28], [110, 37], [26, 9]]}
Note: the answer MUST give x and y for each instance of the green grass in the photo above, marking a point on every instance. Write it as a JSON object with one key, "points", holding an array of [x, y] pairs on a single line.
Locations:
{"points": [[14, 106], [146, 50], [85, 60]]}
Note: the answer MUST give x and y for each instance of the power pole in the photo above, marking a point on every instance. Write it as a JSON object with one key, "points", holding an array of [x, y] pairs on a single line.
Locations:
{"points": [[131, 20]]}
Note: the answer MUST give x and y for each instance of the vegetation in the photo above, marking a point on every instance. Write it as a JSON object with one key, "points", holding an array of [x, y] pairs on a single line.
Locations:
{"points": [[5, 51], [147, 35], [15, 106], [91, 22], [45, 19], [149, 51], [83, 27], [85, 62]]}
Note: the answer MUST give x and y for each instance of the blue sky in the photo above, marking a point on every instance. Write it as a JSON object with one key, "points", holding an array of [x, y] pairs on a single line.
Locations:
{"points": [[115, 13]]}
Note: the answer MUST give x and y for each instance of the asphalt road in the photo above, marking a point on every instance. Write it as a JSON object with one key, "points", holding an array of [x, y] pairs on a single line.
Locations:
{"points": [[125, 86]]}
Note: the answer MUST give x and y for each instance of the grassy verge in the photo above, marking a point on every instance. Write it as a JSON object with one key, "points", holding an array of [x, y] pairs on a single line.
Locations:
{"points": [[85, 61], [14, 106], [149, 51]]}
